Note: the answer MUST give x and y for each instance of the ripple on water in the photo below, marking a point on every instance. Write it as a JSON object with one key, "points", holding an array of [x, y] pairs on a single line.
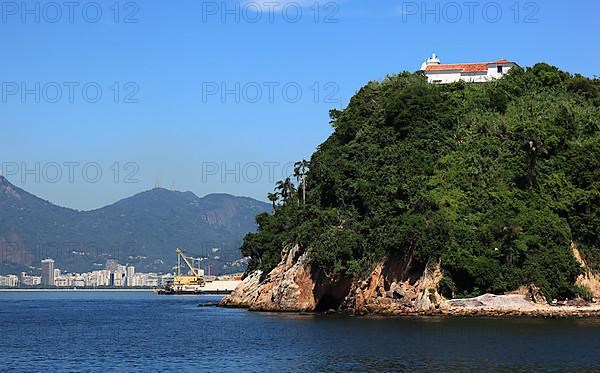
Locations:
{"points": [[140, 331]]}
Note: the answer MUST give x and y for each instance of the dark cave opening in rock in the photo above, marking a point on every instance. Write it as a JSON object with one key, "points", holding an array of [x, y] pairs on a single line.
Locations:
{"points": [[328, 302]]}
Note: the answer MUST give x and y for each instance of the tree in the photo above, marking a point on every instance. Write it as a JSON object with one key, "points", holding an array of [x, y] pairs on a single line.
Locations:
{"points": [[285, 189], [300, 169], [273, 197]]}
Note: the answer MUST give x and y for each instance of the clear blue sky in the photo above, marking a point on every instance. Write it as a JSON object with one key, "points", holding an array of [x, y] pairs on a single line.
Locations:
{"points": [[178, 53]]}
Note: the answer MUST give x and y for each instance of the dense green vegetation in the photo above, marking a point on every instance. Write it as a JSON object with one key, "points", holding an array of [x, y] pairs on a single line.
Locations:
{"points": [[493, 180]]}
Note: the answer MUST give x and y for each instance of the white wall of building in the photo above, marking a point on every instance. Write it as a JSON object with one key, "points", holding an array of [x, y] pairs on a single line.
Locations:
{"points": [[446, 77], [493, 70], [10, 281], [454, 74], [443, 77]]}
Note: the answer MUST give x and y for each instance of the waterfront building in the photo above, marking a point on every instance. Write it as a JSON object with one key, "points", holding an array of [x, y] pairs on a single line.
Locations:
{"points": [[130, 271], [102, 278], [125, 276], [9, 281], [27, 280], [48, 272], [61, 281]]}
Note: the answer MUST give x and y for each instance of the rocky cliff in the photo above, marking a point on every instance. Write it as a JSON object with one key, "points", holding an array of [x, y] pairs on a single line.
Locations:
{"points": [[588, 279], [392, 288], [288, 287]]}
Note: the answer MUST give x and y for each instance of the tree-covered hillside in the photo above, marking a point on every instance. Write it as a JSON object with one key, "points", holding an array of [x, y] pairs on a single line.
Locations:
{"points": [[492, 180]]}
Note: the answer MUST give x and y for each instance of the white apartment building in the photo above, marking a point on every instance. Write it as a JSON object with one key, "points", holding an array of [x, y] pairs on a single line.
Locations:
{"points": [[130, 273], [27, 280], [10, 281]]}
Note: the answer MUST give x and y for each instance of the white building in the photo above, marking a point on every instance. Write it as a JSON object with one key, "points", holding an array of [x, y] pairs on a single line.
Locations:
{"points": [[48, 272], [100, 278], [130, 271], [477, 72], [61, 281], [27, 280], [9, 281]]}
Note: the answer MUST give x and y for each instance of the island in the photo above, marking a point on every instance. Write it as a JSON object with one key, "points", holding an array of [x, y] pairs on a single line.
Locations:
{"points": [[452, 199]]}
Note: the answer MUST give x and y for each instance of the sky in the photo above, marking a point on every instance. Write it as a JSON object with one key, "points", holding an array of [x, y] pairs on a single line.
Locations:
{"points": [[102, 100]]}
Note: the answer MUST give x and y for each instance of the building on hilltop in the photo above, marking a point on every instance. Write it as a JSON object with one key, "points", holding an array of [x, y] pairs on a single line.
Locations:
{"points": [[478, 72]]}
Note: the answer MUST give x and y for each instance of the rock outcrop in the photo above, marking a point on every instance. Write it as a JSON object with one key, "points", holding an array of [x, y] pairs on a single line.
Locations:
{"points": [[588, 279], [391, 288], [245, 294], [530, 292], [536, 295], [394, 287], [288, 287]]}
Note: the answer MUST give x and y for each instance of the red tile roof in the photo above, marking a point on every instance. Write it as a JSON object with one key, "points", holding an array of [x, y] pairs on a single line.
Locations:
{"points": [[465, 67]]}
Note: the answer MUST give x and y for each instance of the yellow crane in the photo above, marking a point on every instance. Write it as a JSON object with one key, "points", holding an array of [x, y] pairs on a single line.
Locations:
{"points": [[196, 277]]}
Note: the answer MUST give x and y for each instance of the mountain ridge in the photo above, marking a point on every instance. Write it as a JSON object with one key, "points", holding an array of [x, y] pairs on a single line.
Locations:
{"points": [[5, 181], [142, 229]]}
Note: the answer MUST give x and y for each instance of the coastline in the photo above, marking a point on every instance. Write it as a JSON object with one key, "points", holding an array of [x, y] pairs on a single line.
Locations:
{"points": [[543, 311], [291, 288], [391, 290], [73, 290]]}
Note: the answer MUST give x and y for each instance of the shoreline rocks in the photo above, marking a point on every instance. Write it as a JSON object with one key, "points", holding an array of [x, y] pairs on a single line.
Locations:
{"points": [[288, 287], [393, 288]]}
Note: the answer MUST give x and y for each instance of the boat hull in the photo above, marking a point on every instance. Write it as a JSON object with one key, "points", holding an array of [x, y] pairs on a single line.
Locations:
{"points": [[219, 287]]}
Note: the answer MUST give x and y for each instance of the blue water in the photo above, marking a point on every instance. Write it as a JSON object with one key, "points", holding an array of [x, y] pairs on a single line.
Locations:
{"points": [[116, 331]]}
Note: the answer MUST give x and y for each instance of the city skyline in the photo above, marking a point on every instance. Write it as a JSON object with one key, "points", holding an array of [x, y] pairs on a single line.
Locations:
{"points": [[114, 275]]}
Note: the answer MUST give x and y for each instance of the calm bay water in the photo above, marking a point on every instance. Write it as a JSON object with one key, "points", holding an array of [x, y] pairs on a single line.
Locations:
{"points": [[108, 331]]}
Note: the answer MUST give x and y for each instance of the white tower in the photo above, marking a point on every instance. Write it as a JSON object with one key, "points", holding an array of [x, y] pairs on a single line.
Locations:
{"points": [[433, 60], [48, 272]]}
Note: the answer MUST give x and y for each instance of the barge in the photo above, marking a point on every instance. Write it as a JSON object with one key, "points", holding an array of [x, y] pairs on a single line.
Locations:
{"points": [[195, 283]]}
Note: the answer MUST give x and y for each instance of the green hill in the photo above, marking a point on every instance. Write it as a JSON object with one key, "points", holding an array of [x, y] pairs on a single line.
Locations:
{"points": [[493, 180]]}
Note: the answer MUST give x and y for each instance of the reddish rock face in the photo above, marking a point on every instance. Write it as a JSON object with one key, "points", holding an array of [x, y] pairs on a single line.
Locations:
{"points": [[288, 287], [392, 288], [246, 293], [294, 286], [588, 279]]}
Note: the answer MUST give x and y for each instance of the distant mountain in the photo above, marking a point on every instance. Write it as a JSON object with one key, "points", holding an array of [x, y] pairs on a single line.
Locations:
{"points": [[142, 230]]}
